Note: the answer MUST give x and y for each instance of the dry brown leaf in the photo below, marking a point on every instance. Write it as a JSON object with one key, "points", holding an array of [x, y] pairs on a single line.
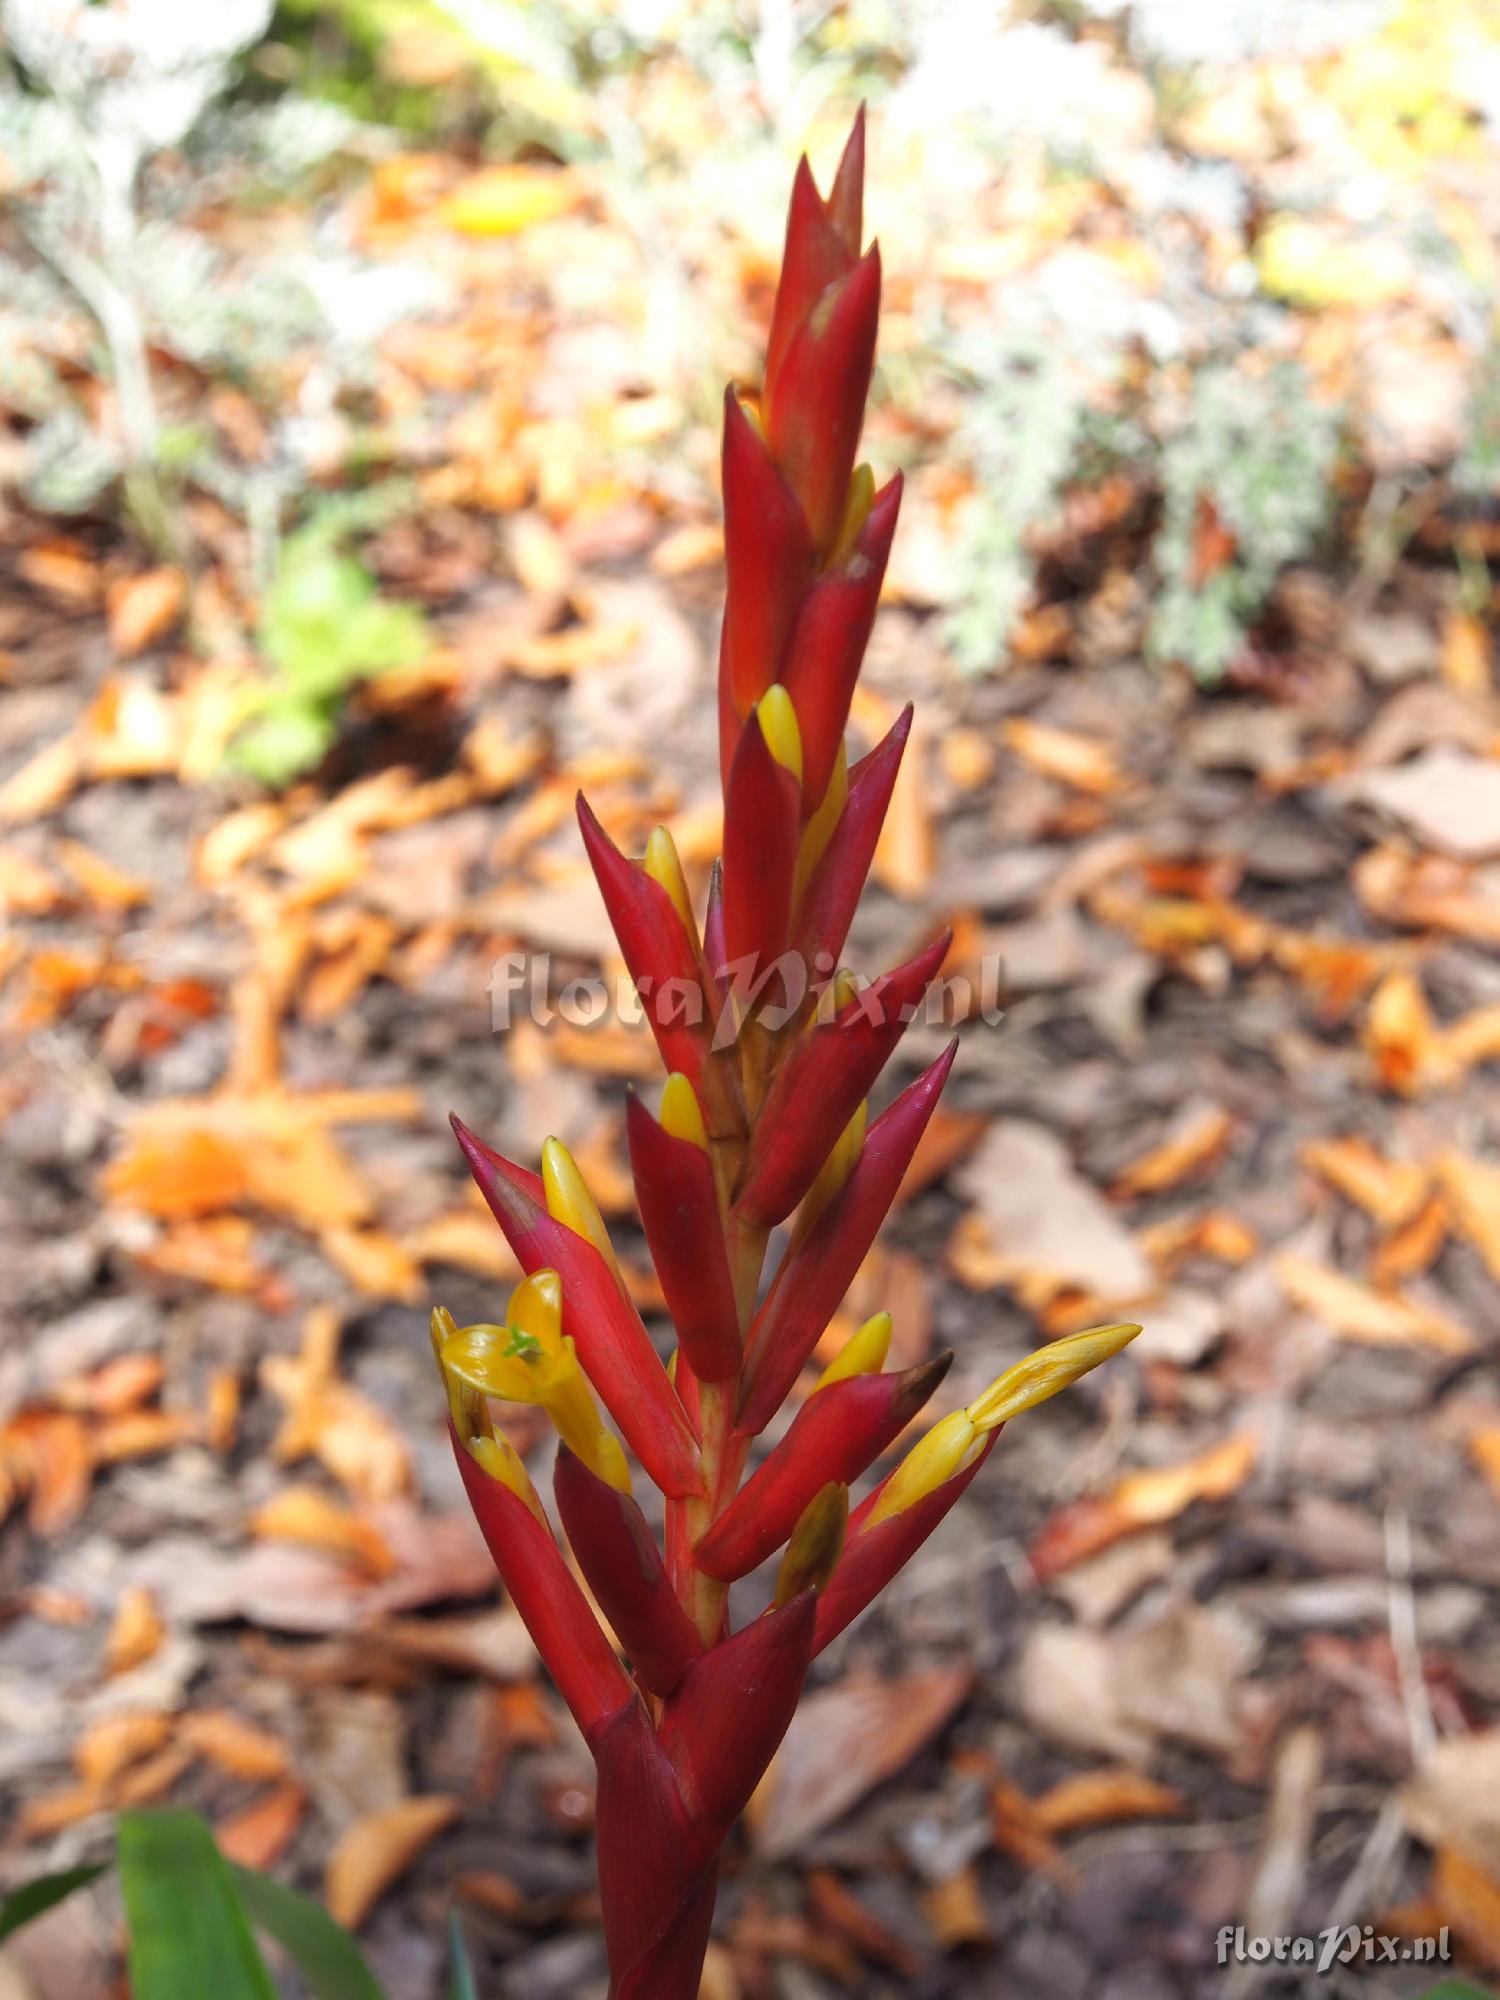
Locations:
{"points": [[304, 1514], [330, 1420], [1473, 1191], [234, 1745], [136, 1632], [63, 569], [50, 1812], [1356, 1311], [122, 1384], [26, 888], [1061, 754], [1452, 1799], [1103, 1798], [1467, 656], [1389, 1190], [260, 1833], [1469, 1899], [152, 1779], [1141, 1500], [467, 1239], [1484, 1449], [143, 609], [214, 1250], [1194, 1144], [955, 1911], [843, 1741], [141, 1434], [377, 1850]]}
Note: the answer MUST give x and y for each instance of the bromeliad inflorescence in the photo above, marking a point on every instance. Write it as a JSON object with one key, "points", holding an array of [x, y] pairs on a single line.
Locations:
{"points": [[772, 1051]]}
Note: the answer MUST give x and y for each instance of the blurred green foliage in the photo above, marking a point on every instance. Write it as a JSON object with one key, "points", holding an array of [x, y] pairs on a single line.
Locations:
{"points": [[325, 627]]}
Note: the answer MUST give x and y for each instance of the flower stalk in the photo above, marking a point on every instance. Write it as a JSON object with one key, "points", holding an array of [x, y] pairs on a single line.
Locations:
{"points": [[774, 1053]]}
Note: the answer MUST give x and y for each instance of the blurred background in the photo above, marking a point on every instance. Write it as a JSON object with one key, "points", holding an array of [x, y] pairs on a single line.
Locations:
{"points": [[360, 364]]}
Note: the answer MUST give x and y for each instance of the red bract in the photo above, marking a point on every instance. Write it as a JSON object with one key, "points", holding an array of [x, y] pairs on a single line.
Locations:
{"points": [[764, 1120]]}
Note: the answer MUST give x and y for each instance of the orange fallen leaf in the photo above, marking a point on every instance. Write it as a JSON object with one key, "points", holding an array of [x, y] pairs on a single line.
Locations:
{"points": [[374, 1263], [136, 1633], [143, 609], [1192, 1147], [178, 1172], [144, 1783], [1058, 753], [112, 1744], [140, 1434], [26, 888], [1402, 1036], [1356, 1311], [260, 1833], [107, 887], [1390, 1190], [1469, 1899], [234, 1745], [1101, 1798], [304, 1514], [1474, 1039], [64, 569], [46, 1455], [44, 781], [468, 1240], [1414, 1248], [1484, 1449], [214, 1250], [1141, 1500], [373, 1854], [120, 1385]]}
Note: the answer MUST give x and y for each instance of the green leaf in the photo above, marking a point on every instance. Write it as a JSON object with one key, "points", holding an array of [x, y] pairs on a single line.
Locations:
{"points": [[34, 1899], [284, 740], [189, 1934], [1458, 1989], [460, 1973], [323, 1951]]}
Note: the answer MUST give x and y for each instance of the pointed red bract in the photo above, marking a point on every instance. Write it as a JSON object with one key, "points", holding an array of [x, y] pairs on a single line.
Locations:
{"points": [[810, 1285], [573, 1648], [761, 813], [768, 562], [661, 957], [828, 641], [813, 421], [872, 1556], [826, 908], [623, 1567], [817, 253], [679, 1204], [613, 1345], [822, 1081], [655, 1865], [837, 1434], [721, 1728], [846, 198]]}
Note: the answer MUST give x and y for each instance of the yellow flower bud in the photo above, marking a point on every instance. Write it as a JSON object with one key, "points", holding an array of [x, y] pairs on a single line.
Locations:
{"points": [[819, 829], [778, 724], [681, 1114], [856, 513], [664, 865], [931, 1460], [569, 1200], [816, 1544], [751, 408], [834, 1171], [863, 1353], [502, 1461], [1045, 1372]]}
